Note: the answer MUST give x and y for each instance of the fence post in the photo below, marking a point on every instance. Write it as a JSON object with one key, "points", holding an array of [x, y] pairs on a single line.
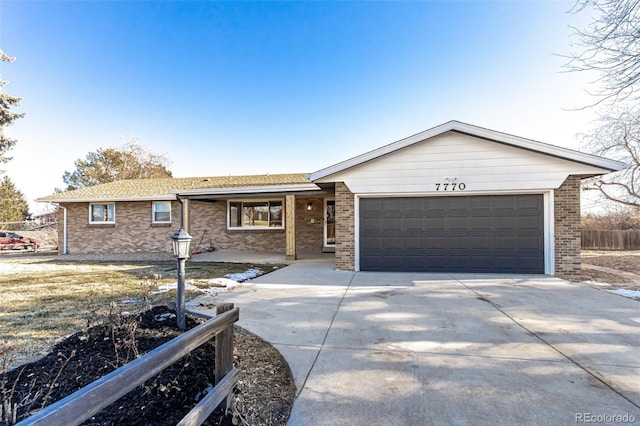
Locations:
{"points": [[224, 346]]}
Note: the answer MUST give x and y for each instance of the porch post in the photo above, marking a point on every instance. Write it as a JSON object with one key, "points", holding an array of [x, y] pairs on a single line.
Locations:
{"points": [[290, 226]]}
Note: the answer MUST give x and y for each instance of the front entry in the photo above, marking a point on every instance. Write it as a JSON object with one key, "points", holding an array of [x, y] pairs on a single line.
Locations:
{"points": [[329, 243]]}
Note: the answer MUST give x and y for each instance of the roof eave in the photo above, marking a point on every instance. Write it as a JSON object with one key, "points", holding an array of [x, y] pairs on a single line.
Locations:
{"points": [[165, 197], [568, 154], [250, 189]]}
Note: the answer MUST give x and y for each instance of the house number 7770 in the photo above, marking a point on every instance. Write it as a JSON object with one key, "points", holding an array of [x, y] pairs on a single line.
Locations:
{"points": [[450, 186]]}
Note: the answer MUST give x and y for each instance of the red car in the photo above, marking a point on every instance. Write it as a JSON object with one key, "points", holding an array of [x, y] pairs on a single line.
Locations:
{"points": [[10, 240]]}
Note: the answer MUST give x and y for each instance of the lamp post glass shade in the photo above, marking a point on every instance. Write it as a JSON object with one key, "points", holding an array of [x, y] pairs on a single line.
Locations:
{"points": [[181, 244]]}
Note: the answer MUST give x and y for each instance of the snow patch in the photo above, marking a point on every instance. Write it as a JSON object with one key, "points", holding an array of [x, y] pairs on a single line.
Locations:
{"points": [[596, 283], [217, 285], [244, 276], [167, 287], [626, 293], [223, 282], [164, 317]]}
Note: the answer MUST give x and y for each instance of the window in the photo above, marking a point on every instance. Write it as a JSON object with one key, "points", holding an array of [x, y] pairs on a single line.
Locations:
{"points": [[161, 212], [255, 214], [102, 213]]}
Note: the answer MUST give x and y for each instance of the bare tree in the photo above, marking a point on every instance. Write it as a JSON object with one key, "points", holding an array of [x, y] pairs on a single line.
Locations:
{"points": [[610, 46], [131, 161], [618, 137], [615, 217]]}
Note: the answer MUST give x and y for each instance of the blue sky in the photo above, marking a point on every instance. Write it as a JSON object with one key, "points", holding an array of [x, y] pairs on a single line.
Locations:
{"points": [[270, 87]]}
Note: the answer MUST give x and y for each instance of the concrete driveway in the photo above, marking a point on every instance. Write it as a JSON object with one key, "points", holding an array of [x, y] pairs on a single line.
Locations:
{"points": [[414, 349]]}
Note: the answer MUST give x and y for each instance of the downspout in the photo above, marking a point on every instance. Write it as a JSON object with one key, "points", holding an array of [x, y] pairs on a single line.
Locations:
{"points": [[184, 213], [64, 229], [181, 211]]}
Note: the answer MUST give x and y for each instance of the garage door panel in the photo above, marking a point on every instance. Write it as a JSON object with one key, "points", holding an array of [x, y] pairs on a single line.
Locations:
{"points": [[433, 223], [505, 242], [410, 224], [438, 243], [502, 233], [502, 222], [503, 202], [529, 243], [528, 222], [533, 203], [484, 242], [414, 243]]}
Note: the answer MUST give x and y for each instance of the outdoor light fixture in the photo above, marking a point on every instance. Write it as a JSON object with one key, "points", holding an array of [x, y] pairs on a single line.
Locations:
{"points": [[181, 244], [309, 206], [181, 250]]}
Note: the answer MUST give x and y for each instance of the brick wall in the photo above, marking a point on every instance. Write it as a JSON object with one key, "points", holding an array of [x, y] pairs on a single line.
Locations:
{"points": [[309, 224], [132, 232], [209, 224], [345, 228], [567, 229]]}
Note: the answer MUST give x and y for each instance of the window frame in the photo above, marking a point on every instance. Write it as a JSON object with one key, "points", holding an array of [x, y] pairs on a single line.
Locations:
{"points": [[268, 202], [102, 222], [154, 211]]}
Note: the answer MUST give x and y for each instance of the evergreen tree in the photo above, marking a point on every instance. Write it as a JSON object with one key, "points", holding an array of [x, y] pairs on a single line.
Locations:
{"points": [[7, 117], [13, 206]]}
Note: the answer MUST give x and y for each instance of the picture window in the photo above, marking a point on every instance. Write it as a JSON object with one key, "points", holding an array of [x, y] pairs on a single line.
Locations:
{"points": [[256, 214]]}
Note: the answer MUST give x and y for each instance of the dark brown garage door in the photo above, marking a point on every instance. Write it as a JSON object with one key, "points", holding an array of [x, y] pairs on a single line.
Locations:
{"points": [[492, 233]]}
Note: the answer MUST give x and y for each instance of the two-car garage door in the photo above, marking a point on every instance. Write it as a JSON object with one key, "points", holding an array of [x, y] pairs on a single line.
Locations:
{"points": [[487, 233]]}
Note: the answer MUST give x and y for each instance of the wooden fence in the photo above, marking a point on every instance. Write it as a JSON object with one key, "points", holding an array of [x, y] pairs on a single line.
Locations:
{"points": [[611, 239], [91, 399]]}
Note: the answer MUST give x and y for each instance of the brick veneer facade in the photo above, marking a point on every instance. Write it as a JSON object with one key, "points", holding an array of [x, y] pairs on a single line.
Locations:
{"points": [[309, 224], [345, 228], [209, 224], [133, 231], [566, 212]]}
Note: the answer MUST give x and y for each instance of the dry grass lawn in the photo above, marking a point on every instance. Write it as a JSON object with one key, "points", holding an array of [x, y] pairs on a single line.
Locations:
{"points": [[627, 260], [43, 299]]}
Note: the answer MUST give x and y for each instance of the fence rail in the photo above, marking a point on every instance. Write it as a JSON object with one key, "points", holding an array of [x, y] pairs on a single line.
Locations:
{"points": [[611, 239], [91, 399]]}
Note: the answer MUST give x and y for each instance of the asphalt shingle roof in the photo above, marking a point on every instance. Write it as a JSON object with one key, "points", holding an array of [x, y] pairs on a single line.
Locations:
{"points": [[131, 189]]}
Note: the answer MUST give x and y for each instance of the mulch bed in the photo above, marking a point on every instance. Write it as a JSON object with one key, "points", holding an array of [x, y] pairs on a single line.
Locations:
{"points": [[264, 394]]}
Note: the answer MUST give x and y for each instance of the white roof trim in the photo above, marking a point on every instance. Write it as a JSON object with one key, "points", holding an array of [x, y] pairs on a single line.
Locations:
{"points": [[251, 189], [480, 132], [109, 200]]}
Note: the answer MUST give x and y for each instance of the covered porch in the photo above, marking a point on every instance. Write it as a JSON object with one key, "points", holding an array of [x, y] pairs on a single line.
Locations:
{"points": [[276, 224]]}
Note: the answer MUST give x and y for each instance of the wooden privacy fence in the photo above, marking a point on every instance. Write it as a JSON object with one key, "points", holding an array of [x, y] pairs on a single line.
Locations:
{"points": [[91, 399], [611, 239]]}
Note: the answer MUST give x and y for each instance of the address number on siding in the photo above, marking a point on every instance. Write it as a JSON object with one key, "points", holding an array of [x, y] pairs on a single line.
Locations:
{"points": [[450, 186]]}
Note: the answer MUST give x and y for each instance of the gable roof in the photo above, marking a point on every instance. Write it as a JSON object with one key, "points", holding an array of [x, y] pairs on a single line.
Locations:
{"points": [[166, 188], [480, 132]]}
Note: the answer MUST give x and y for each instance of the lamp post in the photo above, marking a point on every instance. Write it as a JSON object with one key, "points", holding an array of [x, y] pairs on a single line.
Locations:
{"points": [[181, 250]]}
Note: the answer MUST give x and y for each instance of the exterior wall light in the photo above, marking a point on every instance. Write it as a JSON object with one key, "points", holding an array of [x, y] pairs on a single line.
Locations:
{"points": [[309, 206], [181, 250]]}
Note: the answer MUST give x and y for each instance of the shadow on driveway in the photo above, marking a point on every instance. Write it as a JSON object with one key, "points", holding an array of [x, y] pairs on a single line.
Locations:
{"points": [[413, 349]]}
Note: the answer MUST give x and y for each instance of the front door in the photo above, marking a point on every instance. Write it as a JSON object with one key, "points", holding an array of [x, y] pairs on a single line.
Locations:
{"points": [[329, 223]]}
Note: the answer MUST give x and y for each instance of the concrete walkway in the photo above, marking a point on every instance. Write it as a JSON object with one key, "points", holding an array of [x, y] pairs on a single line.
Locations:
{"points": [[416, 349]]}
